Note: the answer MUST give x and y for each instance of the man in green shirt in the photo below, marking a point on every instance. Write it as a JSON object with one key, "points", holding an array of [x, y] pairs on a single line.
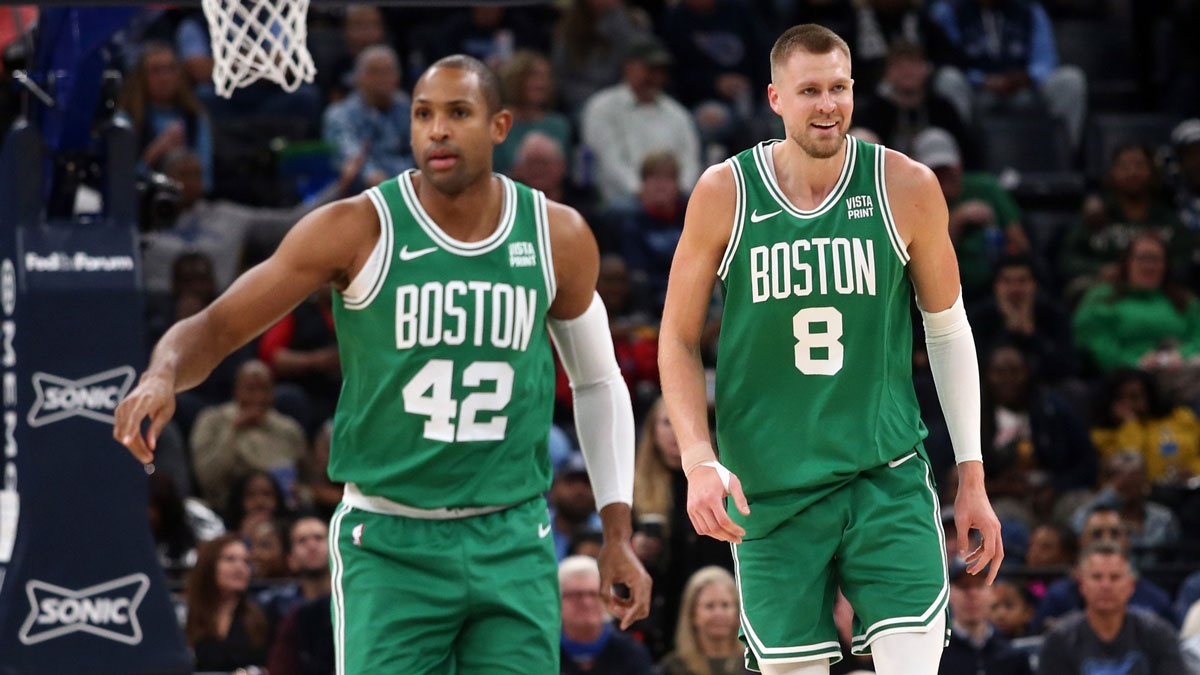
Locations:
{"points": [[985, 221]]}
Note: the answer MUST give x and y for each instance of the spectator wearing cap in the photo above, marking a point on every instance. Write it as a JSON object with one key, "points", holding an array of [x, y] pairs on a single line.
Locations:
{"points": [[975, 645], [985, 222], [572, 504], [1185, 140], [904, 104], [1010, 61], [1109, 636], [590, 642], [1064, 596], [624, 123]]}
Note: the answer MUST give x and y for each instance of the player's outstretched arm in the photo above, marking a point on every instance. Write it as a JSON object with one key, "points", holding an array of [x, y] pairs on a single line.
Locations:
{"points": [[921, 217], [603, 411], [322, 248], [706, 229]]}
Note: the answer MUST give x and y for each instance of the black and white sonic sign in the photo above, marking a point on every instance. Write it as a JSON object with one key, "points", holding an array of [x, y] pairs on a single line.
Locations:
{"points": [[95, 396], [107, 610], [81, 587]]}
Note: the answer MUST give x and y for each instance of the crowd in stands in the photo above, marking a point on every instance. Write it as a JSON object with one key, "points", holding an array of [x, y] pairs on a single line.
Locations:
{"points": [[1066, 138]]}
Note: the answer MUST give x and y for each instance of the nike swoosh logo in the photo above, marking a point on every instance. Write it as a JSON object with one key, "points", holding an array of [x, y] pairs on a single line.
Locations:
{"points": [[543, 530], [407, 255], [755, 218]]}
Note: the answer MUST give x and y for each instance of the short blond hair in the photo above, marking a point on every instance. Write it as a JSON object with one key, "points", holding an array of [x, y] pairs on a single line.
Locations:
{"points": [[810, 37]]}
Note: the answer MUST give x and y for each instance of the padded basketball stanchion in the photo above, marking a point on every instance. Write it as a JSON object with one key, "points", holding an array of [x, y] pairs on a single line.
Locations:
{"points": [[81, 587]]}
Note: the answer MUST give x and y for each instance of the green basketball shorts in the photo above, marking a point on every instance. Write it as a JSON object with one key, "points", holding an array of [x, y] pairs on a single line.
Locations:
{"points": [[878, 537], [468, 595]]}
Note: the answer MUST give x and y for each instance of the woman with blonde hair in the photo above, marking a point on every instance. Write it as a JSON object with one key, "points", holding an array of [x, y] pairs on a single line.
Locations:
{"points": [[706, 636], [658, 472]]}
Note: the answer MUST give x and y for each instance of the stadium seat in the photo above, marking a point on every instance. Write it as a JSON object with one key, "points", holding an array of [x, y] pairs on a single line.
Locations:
{"points": [[1024, 142], [1030, 152], [1104, 50]]}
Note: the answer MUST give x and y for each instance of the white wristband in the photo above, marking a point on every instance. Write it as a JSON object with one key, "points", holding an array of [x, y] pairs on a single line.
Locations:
{"points": [[722, 472]]}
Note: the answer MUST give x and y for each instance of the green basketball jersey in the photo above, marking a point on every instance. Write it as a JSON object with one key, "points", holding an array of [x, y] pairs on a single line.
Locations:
{"points": [[814, 366], [448, 378]]}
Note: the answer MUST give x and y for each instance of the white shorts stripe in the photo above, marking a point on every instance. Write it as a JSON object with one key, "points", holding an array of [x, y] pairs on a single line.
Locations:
{"points": [[338, 595]]}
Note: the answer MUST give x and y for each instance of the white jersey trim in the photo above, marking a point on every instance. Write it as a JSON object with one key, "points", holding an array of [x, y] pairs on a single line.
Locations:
{"points": [[542, 223], [765, 161], [889, 221], [369, 280], [508, 216], [739, 217]]}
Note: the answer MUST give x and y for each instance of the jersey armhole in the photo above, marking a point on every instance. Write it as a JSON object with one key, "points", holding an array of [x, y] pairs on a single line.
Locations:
{"points": [[369, 280], [739, 216], [889, 221], [542, 224]]}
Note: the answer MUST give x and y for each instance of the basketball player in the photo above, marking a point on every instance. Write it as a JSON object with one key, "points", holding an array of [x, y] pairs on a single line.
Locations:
{"points": [[819, 241], [446, 281]]}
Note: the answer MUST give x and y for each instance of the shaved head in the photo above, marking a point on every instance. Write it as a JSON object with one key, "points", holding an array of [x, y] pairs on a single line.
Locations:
{"points": [[489, 84]]}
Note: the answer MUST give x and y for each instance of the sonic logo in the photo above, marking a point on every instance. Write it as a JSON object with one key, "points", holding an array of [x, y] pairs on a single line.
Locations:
{"points": [[107, 610], [95, 397]]}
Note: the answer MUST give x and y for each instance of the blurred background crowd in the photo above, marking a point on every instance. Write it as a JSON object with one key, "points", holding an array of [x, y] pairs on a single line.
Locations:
{"points": [[1065, 135]]}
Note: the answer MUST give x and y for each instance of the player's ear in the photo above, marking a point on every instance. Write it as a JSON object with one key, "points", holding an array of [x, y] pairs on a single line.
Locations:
{"points": [[773, 99], [502, 121]]}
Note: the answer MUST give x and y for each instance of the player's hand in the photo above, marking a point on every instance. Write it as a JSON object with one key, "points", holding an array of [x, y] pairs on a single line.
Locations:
{"points": [[973, 511], [154, 397], [706, 504], [619, 565]]}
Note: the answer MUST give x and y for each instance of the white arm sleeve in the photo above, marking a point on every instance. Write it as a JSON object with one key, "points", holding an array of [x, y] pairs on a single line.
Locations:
{"points": [[952, 359], [603, 410]]}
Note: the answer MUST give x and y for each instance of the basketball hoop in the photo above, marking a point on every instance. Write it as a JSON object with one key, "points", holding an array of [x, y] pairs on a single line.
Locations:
{"points": [[258, 39]]}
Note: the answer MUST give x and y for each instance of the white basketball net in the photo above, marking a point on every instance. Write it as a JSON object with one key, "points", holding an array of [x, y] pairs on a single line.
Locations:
{"points": [[258, 39]]}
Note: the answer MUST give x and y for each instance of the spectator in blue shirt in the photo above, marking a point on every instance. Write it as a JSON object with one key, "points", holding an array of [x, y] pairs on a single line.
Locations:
{"points": [[376, 117], [1010, 59]]}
